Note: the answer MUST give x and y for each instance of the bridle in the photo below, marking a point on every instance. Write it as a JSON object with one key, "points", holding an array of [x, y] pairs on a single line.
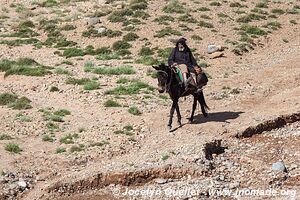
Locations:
{"points": [[168, 83]]}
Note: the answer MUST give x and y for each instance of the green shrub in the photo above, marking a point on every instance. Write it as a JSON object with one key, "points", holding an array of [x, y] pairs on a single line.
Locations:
{"points": [[68, 27], [23, 66], [92, 85], [147, 60], [134, 110], [277, 11], [7, 98], [100, 144], [167, 31], [133, 88], [21, 104], [47, 138], [62, 112], [206, 24], [69, 139], [60, 150], [111, 103], [118, 45], [60, 70], [5, 137], [165, 19], [262, 5], [215, 3], [130, 37], [73, 52], [114, 70], [174, 6], [54, 89], [76, 148], [74, 81], [253, 30], [203, 9], [146, 51], [13, 148], [187, 18]]}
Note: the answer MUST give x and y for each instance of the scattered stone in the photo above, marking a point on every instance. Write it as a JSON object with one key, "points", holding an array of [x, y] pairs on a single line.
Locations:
{"points": [[214, 48], [22, 184], [279, 166], [216, 55], [161, 181], [101, 30], [93, 21]]}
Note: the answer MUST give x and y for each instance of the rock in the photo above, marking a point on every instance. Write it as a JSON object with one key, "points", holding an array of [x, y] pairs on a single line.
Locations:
{"points": [[279, 166], [101, 30], [161, 181], [22, 184], [216, 55], [213, 48], [93, 21]]}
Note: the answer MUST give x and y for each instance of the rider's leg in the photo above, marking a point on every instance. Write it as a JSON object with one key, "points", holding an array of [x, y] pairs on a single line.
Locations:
{"points": [[184, 70]]}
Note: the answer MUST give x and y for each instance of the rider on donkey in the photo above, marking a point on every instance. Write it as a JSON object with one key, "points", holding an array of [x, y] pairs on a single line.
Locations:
{"points": [[182, 58]]}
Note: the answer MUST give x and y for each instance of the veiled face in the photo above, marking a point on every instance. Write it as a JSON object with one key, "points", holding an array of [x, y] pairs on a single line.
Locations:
{"points": [[181, 47]]}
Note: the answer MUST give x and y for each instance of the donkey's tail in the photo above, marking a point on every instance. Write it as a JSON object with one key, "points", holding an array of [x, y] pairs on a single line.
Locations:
{"points": [[201, 100]]}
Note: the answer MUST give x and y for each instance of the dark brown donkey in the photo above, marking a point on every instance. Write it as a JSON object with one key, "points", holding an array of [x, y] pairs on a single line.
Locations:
{"points": [[168, 81]]}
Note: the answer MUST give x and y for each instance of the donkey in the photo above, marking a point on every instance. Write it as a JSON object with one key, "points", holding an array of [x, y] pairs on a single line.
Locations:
{"points": [[168, 81]]}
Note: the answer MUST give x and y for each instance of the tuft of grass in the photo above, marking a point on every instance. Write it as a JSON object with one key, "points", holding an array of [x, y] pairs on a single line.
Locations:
{"points": [[76, 148], [187, 18], [114, 70], [60, 70], [54, 89], [7, 98], [133, 88], [121, 44], [68, 27], [23, 66], [253, 30], [60, 150], [69, 139], [74, 81], [62, 112], [23, 118], [203, 9], [99, 144], [22, 103], [263, 4], [134, 111], [73, 52], [205, 24], [92, 85], [250, 18], [130, 37], [147, 60], [127, 130], [146, 51], [5, 137], [111, 103], [277, 11], [215, 3], [174, 6], [165, 157], [167, 31], [47, 138], [165, 19], [13, 148], [273, 25]]}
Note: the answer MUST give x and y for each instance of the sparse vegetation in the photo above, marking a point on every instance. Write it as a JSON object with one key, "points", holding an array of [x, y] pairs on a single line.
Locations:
{"points": [[69, 139], [5, 137], [23, 66], [13, 148], [174, 6], [134, 111], [167, 31], [111, 103], [134, 87]]}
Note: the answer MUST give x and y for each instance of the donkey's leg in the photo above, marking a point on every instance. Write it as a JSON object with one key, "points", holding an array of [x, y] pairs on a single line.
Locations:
{"points": [[174, 105], [178, 115], [194, 108]]}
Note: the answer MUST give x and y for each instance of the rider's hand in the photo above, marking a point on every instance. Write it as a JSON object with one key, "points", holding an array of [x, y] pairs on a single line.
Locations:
{"points": [[174, 64]]}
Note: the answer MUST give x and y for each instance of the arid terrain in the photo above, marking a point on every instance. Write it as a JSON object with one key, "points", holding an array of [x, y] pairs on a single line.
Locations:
{"points": [[81, 118]]}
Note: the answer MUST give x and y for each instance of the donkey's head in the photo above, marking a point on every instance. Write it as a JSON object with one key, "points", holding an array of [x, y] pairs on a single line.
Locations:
{"points": [[163, 77]]}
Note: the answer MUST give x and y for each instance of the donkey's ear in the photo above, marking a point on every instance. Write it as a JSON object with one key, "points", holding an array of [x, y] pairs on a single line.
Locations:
{"points": [[155, 67]]}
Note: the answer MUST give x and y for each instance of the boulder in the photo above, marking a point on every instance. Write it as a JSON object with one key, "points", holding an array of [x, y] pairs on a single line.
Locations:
{"points": [[93, 21], [214, 48], [279, 166], [216, 55]]}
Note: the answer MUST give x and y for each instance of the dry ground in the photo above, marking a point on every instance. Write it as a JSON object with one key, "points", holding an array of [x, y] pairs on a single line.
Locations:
{"points": [[244, 90]]}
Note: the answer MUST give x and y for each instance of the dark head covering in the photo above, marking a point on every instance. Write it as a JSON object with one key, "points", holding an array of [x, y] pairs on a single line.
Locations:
{"points": [[183, 42]]}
